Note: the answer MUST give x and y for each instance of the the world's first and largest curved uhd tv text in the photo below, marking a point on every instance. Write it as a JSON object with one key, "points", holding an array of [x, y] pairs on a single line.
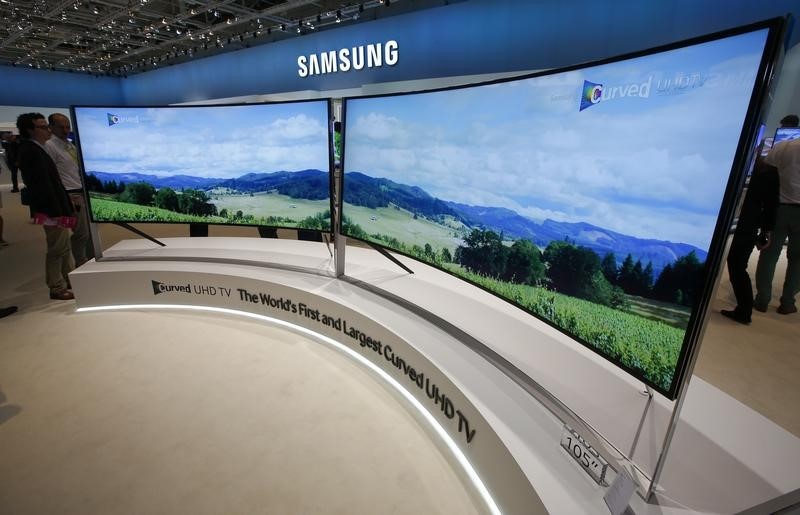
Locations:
{"points": [[249, 164], [591, 197]]}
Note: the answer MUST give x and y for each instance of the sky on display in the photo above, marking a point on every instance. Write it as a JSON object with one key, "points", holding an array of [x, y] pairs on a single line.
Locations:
{"points": [[209, 141], [651, 159]]}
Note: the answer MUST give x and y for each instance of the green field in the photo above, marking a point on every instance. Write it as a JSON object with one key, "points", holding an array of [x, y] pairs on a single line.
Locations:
{"points": [[270, 204], [401, 224], [670, 314], [260, 206], [648, 347], [106, 210]]}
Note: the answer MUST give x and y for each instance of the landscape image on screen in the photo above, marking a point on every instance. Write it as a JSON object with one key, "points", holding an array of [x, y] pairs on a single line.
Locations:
{"points": [[587, 197], [258, 164]]}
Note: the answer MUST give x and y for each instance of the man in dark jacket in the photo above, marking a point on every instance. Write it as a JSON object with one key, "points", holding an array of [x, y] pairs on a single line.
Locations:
{"points": [[753, 229], [48, 201]]}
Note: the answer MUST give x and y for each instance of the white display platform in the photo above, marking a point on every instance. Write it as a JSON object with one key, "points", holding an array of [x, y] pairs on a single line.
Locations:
{"points": [[515, 447]]}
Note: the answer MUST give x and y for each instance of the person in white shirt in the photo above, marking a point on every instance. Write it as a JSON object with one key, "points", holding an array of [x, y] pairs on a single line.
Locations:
{"points": [[65, 155], [785, 156]]}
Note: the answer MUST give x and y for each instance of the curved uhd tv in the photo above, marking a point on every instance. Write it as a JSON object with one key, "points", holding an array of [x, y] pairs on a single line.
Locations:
{"points": [[250, 164], [596, 198]]}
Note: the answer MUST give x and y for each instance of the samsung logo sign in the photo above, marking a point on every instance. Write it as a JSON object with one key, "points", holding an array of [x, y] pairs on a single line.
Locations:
{"points": [[373, 55]]}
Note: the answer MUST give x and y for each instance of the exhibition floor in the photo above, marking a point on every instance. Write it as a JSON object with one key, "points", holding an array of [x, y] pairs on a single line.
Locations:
{"points": [[150, 412], [145, 412]]}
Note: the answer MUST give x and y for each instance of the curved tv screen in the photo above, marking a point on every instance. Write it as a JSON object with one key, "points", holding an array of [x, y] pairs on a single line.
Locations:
{"points": [[588, 196], [252, 164]]}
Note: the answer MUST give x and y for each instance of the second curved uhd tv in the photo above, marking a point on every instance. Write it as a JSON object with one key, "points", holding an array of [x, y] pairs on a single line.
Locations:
{"points": [[596, 197], [249, 164]]}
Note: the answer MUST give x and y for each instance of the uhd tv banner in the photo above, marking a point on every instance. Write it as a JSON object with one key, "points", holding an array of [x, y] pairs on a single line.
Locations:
{"points": [[588, 197]]}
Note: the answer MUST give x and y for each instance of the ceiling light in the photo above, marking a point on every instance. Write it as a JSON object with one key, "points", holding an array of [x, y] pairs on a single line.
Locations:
{"points": [[229, 21], [164, 21], [95, 10], [192, 11], [338, 16], [216, 13]]}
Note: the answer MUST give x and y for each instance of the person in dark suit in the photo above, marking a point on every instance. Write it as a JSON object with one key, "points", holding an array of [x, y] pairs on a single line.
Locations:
{"points": [[49, 201], [11, 146], [753, 229]]}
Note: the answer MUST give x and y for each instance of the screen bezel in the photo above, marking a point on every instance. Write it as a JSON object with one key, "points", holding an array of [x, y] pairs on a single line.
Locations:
{"points": [[695, 326], [328, 143]]}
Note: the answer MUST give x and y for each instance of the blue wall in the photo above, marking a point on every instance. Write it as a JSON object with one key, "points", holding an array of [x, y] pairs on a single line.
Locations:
{"points": [[32, 87], [466, 38]]}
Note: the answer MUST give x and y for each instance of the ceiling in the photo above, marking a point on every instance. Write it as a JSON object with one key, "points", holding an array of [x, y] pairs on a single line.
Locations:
{"points": [[122, 37]]}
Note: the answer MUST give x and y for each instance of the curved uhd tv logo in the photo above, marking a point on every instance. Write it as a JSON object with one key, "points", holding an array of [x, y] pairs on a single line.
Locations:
{"points": [[594, 93], [114, 119], [591, 95], [159, 287]]}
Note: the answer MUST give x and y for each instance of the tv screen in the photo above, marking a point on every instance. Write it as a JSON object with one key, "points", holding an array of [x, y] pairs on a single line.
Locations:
{"points": [[785, 133], [253, 164], [588, 197]]}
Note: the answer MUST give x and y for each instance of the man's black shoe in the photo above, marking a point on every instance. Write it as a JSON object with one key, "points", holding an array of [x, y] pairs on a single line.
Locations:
{"points": [[733, 315], [10, 310]]}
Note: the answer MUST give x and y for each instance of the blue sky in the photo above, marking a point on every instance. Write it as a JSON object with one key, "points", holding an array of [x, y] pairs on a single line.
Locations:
{"points": [[208, 141], [652, 164]]}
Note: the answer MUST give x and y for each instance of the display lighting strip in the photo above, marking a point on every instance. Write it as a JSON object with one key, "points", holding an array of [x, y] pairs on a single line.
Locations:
{"points": [[481, 488]]}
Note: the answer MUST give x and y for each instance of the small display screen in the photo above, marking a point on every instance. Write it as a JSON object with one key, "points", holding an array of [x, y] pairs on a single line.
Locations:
{"points": [[253, 164]]}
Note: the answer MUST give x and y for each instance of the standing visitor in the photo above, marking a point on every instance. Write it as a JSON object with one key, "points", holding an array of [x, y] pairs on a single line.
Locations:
{"points": [[49, 201]]}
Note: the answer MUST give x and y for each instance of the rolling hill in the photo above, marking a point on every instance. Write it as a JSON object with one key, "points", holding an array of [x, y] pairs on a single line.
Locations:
{"points": [[362, 190]]}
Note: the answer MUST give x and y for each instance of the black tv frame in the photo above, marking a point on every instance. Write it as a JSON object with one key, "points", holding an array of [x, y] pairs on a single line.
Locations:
{"points": [[126, 222], [773, 49]]}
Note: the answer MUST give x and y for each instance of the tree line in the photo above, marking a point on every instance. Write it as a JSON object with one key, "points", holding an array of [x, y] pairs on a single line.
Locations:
{"points": [[563, 266], [188, 201]]}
